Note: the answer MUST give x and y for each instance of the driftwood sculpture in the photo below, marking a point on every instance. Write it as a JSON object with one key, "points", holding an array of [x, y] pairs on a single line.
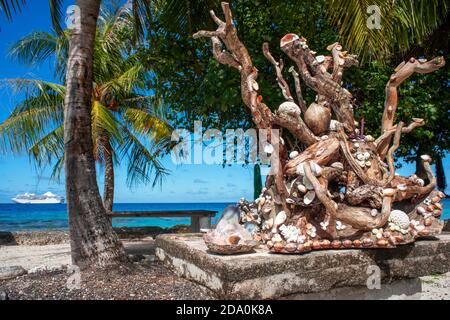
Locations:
{"points": [[342, 190]]}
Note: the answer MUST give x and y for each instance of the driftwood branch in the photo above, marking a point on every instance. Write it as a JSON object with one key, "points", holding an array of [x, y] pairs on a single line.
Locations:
{"points": [[390, 155], [380, 141], [402, 72], [298, 89], [278, 69]]}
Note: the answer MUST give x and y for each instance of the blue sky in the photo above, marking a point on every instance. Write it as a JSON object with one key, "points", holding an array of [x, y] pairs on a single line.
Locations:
{"points": [[186, 183]]}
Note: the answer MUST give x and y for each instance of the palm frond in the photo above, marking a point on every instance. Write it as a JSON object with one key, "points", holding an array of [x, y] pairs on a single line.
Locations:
{"points": [[9, 7]]}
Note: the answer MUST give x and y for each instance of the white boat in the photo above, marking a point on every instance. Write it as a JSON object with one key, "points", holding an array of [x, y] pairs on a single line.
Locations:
{"points": [[31, 198]]}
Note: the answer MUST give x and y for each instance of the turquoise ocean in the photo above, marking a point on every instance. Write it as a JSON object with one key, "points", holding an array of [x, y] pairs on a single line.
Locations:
{"points": [[16, 217]]}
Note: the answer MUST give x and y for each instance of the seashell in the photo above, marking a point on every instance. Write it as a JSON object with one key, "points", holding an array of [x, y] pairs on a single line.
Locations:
{"points": [[420, 228], [324, 137], [334, 125], [320, 59], [424, 232], [291, 247], [290, 201], [308, 183], [439, 205], [300, 169], [268, 148], [276, 238], [269, 223], [336, 244], [379, 236], [289, 108], [315, 168], [366, 155], [307, 245], [399, 218], [316, 245], [302, 188], [280, 218], [360, 157], [382, 243], [435, 199], [309, 197], [325, 244], [373, 212], [293, 154], [368, 163], [398, 238], [437, 213], [301, 247], [357, 243], [388, 192], [267, 210], [420, 182], [421, 210], [269, 244], [427, 222], [233, 239], [402, 187], [337, 165], [255, 85], [356, 145], [430, 207], [425, 158], [441, 194], [362, 164], [367, 242], [375, 231], [369, 138], [278, 246], [347, 243]]}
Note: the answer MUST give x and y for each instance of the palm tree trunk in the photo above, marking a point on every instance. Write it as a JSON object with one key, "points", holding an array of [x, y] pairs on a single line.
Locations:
{"points": [[92, 238], [108, 193], [440, 174]]}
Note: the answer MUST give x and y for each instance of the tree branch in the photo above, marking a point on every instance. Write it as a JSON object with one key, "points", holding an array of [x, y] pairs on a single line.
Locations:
{"points": [[298, 89], [390, 155]]}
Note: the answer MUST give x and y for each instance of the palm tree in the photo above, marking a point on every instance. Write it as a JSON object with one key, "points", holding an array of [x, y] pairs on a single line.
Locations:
{"points": [[403, 23], [121, 115], [93, 241]]}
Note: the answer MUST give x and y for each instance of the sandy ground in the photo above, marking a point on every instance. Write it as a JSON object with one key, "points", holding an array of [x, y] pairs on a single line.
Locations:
{"points": [[435, 287], [57, 254]]}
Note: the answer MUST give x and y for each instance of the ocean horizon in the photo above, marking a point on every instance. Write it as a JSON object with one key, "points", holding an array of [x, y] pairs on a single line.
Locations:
{"points": [[23, 217]]}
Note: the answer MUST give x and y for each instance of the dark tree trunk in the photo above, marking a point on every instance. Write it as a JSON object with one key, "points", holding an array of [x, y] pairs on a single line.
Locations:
{"points": [[92, 238], [108, 194], [440, 174]]}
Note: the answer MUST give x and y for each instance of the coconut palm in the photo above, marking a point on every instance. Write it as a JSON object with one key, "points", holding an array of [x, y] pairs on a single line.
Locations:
{"points": [[121, 115], [403, 23]]}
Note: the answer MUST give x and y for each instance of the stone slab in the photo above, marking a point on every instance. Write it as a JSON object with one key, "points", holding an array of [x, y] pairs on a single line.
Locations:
{"points": [[265, 275]]}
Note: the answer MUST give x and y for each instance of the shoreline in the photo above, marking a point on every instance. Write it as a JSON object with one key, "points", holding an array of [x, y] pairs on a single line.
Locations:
{"points": [[60, 236]]}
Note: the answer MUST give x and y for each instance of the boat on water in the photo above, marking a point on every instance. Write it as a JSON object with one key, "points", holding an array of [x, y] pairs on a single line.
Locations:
{"points": [[31, 198]]}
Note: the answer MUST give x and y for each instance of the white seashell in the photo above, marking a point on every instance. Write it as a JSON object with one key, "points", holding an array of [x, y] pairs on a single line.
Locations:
{"points": [[308, 183], [360, 157], [316, 169], [290, 201], [255, 85], [375, 231], [334, 125], [268, 224], [356, 145], [280, 218], [290, 108], [421, 210], [309, 197], [374, 212], [368, 163], [425, 157], [420, 228], [324, 137], [300, 169], [402, 187], [366, 155], [420, 182], [268, 148], [369, 138], [388, 192], [337, 165], [276, 238], [293, 154], [320, 59], [400, 218], [302, 188], [362, 163]]}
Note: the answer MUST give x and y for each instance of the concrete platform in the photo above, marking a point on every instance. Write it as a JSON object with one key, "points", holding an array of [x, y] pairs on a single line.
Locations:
{"points": [[342, 273]]}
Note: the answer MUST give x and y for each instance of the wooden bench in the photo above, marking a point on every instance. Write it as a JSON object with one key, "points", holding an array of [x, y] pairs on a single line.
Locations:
{"points": [[200, 219]]}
